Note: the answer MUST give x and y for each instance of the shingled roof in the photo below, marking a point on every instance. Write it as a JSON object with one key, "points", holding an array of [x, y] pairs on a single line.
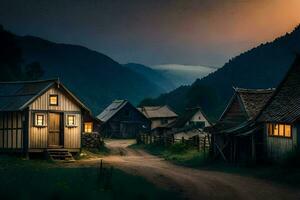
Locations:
{"points": [[187, 116], [16, 96], [284, 105], [254, 100], [152, 112], [112, 109], [250, 103]]}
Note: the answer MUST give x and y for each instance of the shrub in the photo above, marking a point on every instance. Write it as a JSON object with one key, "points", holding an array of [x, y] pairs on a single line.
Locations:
{"points": [[178, 148]]}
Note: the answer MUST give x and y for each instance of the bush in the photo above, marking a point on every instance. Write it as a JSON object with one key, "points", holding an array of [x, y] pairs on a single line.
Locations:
{"points": [[178, 148]]}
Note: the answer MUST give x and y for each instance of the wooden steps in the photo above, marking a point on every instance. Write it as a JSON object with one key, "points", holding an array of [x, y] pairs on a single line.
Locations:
{"points": [[59, 155]]}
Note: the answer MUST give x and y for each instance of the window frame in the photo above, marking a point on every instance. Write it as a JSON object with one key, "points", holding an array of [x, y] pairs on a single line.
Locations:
{"points": [[277, 134], [53, 95], [74, 120], [84, 127], [44, 124]]}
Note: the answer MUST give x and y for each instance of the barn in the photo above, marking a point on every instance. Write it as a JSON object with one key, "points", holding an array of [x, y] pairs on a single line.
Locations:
{"points": [[122, 120], [37, 116], [235, 135]]}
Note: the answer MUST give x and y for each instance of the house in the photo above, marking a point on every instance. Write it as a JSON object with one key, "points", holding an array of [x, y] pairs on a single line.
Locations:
{"points": [[280, 117], [235, 133], [190, 125], [39, 115], [192, 117], [160, 116], [122, 120]]}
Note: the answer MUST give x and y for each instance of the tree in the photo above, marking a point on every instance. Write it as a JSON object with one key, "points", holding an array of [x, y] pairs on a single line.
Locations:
{"points": [[10, 57]]}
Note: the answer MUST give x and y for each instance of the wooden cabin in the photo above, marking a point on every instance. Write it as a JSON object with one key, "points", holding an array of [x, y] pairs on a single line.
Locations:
{"points": [[160, 116], [234, 134], [39, 115], [122, 120], [280, 117]]}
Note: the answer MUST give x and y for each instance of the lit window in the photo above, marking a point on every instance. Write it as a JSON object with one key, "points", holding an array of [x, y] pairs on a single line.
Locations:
{"points": [[40, 119], [279, 130], [53, 100], [88, 127], [71, 120], [288, 132]]}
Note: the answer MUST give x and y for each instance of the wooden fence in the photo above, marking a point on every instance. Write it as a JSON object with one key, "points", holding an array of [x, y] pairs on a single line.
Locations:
{"points": [[200, 142]]}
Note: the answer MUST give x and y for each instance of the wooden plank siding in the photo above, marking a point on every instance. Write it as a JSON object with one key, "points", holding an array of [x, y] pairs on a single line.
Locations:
{"points": [[278, 146], [11, 132], [38, 136], [235, 112]]}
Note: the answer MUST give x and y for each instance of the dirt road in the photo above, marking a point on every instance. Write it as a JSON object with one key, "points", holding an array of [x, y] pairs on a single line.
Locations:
{"points": [[192, 183]]}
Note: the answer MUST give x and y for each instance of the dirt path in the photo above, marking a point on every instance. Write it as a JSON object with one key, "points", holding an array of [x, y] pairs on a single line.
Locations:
{"points": [[191, 183]]}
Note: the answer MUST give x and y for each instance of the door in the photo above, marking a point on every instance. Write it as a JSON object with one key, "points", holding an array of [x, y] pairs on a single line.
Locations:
{"points": [[54, 130]]}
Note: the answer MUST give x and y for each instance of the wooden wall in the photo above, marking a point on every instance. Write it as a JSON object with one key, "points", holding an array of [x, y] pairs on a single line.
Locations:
{"points": [[199, 117], [38, 136], [235, 113], [11, 132], [157, 122], [278, 146], [64, 102]]}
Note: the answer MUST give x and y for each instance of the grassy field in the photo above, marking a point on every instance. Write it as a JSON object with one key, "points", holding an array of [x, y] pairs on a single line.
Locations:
{"points": [[36, 179], [286, 172]]}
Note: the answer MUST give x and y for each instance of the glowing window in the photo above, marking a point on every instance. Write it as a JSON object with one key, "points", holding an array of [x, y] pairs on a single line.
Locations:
{"points": [[71, 120], [279, 130], [40, 119], [88, 127], [53, 100]]}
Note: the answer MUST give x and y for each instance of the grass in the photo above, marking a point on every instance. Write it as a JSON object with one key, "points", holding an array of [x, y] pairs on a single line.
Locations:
{"points": [[287, 171], [178, 153], [37, 179]]}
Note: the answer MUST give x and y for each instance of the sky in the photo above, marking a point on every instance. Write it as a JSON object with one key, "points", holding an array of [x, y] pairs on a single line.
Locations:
{"points": [[179, 33]]}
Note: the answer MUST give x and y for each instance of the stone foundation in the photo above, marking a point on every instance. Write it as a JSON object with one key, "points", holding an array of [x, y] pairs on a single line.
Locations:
{"points": [[91, 140]]}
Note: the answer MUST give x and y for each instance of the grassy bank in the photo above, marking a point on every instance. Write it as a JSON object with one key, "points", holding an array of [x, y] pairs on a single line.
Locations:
{"points": [[34, 179], [286, 171], [178, 153]]}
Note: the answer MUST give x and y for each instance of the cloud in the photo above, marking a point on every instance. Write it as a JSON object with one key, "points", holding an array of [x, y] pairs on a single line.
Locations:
{"points": [[186, 68]]}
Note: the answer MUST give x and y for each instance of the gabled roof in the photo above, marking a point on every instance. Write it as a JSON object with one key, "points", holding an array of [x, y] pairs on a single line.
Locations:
{"points": [[157, 112], [187, 116], [254, 99], [16, 96], [251, 101], [112, 109], [284, 105]]}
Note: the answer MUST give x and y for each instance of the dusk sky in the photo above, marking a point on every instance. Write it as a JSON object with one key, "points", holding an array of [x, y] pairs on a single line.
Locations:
{"points": [[203, 32]]}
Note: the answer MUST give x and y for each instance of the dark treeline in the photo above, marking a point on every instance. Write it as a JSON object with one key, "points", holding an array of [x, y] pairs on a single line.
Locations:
{"points": [[260, 67], [11, 61]]}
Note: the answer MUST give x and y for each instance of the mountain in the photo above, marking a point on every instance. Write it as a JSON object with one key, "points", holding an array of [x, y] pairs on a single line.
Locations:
{"points": [[183, 74], [261, 67], [153, 75], [94, 77]]}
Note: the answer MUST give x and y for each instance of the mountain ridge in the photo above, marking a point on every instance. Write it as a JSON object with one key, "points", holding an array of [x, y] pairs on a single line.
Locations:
{"points": [[260, 67]]}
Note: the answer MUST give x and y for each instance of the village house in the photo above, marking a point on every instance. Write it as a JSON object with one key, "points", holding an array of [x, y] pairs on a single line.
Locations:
{"points": [[270, 130], [160, 116], [39, 116], [280, 117], [122, 120], [191, 125], [233, 134], [192, 117]]}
